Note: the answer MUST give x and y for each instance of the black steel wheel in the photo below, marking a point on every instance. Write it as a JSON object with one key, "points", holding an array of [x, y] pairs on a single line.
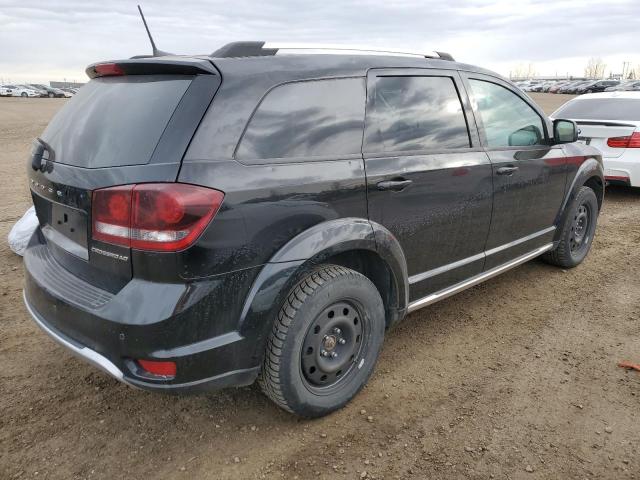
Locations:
{"points": [[325, 342], [577, 232], [579, 238], [332, 346]]}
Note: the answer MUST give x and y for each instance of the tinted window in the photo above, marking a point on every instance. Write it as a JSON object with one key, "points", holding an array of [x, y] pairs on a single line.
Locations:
{"points": [[415, 113], [115, 120], [600, 109], [307, 119], [507, 119]]}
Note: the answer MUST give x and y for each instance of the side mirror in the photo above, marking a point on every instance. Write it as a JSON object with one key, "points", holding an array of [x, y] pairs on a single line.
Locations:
{"points": [[565, 131]]}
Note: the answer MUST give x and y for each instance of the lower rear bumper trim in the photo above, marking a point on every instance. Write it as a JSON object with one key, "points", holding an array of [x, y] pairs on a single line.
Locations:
{"points": [[81, 351], [234, 378]]}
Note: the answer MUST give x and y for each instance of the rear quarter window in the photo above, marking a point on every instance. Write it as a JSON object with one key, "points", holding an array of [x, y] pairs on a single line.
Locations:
{"points": [[306, 120]]}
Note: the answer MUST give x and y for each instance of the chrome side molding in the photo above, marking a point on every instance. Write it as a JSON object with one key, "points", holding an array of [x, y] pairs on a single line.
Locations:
{"points": [[473, 281], [419, 277]]}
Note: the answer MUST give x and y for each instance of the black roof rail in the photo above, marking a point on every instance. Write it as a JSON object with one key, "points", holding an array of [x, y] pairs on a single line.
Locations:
{"points": [[445, 56], [258, 49], [243, 49]]}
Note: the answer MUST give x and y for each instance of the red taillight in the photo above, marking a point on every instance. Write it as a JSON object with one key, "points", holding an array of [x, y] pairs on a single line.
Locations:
{"points": [[632, 141], [108, 70], [153, 216], [164, 369]]}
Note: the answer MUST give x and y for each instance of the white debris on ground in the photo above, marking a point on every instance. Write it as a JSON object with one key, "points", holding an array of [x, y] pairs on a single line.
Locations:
{"points": [[21, 232]]}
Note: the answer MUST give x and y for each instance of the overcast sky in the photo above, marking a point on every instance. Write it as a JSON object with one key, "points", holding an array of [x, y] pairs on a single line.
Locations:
{"points": [[56, 39]]}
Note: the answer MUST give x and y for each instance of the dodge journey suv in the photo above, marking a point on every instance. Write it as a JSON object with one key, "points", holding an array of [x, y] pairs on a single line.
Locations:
{"points": [[268, 213]]}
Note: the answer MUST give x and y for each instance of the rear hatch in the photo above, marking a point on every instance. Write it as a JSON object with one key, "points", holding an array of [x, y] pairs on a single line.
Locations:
{"points": [[605, 122], [130, 124]]}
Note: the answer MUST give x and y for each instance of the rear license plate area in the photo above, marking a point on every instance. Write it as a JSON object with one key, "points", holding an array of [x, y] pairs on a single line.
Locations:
{"points": [[70, 222]]}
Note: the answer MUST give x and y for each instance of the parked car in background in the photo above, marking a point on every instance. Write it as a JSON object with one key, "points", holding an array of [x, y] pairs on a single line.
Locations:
{"points": [[628, 85], [610, 121], [207, 233], [41, 92], [572, 88], [596, 86], [558, 86], [24, 91], [69, 92], [50, 91], [6, 90]]}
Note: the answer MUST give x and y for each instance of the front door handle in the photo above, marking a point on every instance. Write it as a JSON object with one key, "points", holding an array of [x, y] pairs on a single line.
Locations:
{"points": [[507, 170], [395, 185]]}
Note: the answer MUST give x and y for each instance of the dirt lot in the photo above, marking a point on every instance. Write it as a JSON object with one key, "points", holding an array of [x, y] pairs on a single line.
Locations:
{"points": [[515, 378]]}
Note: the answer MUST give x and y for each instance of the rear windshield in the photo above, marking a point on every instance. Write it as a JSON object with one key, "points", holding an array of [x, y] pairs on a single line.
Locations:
{"points": [[115, 121], [601, 109]]}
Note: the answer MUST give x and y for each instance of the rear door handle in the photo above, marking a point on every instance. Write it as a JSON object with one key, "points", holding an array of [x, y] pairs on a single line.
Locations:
{"points": [[395, 185], [507, 170]]}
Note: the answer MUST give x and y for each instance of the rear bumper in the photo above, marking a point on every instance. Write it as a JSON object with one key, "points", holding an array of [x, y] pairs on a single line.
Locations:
{"points": [[624, 169], [194, 325]]}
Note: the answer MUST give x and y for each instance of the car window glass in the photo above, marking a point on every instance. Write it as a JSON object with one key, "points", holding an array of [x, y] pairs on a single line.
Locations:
{"points": [[415, 113], [600, 109], [307, 119], [507, 119]]}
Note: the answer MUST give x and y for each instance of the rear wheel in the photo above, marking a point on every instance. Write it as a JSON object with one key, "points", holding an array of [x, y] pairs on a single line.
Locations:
{"points": [[23, 95], [324, 343], [577, 231]]}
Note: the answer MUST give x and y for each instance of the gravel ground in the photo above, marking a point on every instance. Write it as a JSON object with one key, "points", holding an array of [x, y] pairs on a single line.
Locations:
{"points": [[516, 378]]}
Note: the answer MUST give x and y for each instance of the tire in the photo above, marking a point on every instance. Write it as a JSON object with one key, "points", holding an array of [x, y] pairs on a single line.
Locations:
{"points": [[324, 343], [51, 95], [23, 95], [577, 231]]}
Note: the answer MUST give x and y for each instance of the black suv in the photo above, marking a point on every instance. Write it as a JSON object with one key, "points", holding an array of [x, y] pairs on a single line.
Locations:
{"points": [[268, 214]]}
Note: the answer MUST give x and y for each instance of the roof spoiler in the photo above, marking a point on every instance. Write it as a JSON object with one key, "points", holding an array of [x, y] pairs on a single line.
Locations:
{"points": [[151, 65]]}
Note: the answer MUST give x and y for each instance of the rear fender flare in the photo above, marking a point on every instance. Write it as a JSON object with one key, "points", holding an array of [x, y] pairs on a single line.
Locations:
{"points": [[590, 168], [296, 257]]}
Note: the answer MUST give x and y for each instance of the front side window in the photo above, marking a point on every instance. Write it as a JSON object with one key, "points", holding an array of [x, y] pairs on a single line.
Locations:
{"points": [[508, 120], [319, 118], [415, 113]]}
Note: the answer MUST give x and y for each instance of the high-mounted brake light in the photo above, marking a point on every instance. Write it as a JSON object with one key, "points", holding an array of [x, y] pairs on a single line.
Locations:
{"points": [[631, 141], [153, 216], [108, 70]]}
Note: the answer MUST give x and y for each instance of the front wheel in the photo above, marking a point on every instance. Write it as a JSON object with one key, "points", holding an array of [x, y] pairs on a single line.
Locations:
{"points": [[577, 231], [324, 343]]}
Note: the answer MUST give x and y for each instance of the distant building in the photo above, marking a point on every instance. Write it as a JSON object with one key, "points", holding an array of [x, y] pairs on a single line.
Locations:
{"points": [[65, 84]]}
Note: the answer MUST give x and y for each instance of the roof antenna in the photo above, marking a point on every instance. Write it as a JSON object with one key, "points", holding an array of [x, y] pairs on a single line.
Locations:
{"points": [[156, 52]]}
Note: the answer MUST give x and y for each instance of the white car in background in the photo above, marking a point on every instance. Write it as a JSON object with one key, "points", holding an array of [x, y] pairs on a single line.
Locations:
{"points": [[6, 90], [609, 121], [22, 91]]}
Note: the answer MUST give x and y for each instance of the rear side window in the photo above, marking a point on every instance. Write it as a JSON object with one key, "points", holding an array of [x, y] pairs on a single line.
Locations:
{"points": [[319, 118], [415, 113], [115, 121], [600, 109], [508, 120]]}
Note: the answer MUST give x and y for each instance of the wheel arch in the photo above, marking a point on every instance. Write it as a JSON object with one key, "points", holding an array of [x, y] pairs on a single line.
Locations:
{"points": [[590, 174], [596, 184], [355, 243]]}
